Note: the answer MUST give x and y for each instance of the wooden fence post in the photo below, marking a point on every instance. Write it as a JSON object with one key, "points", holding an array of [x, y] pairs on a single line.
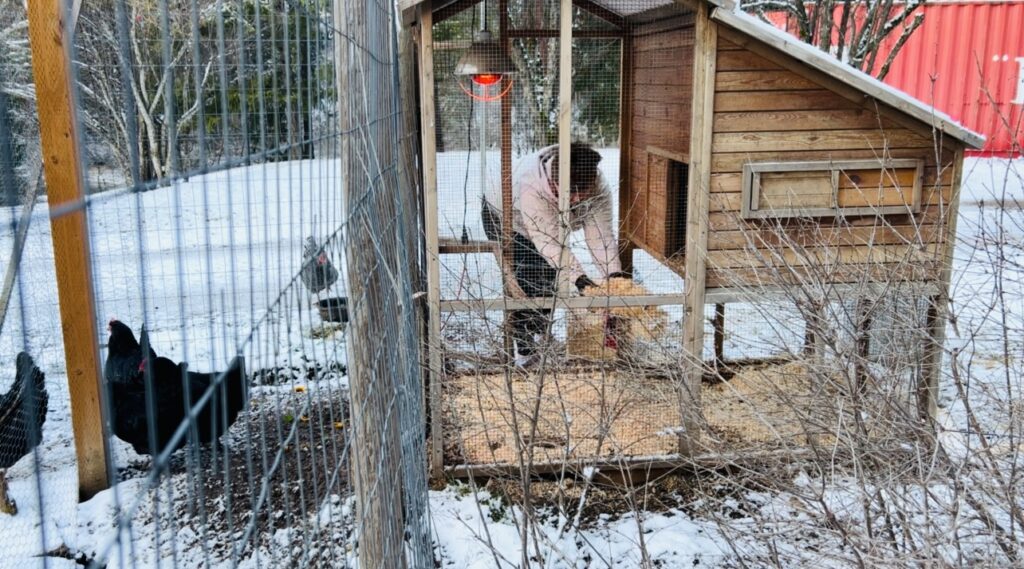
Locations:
{"points": [[699, 184], [51, 68], [430, 227]]}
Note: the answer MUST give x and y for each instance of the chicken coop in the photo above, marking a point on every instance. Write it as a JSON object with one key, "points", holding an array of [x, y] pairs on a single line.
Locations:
{"points": [[769, 207]]}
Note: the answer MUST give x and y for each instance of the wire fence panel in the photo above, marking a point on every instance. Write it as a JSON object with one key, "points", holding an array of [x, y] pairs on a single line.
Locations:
{"points": [[500, 234], [571, 331], [253, 236]]}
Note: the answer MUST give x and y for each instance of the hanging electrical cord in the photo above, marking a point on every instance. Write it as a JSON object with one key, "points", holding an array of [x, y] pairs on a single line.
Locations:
{"points": [[469, 154], [465, 181]]}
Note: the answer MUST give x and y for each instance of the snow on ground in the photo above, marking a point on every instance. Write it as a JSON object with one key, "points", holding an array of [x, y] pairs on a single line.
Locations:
{"points": [[217, 250], [782, 523], [484, 535], [204, 262], [987, 296]]}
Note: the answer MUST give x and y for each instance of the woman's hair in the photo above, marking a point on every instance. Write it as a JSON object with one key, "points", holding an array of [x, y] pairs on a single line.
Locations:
{"points": [[583, 161]]}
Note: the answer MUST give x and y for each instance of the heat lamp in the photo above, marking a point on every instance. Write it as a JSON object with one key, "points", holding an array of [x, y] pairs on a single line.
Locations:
{"points": [[486, 64]]}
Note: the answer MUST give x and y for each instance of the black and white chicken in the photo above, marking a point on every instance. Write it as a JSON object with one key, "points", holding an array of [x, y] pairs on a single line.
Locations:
{"points": [[318, 274], [22, 413]]}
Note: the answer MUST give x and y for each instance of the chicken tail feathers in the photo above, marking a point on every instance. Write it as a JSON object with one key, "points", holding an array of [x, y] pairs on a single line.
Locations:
{"points": [[31, 378], [22, 411], [237, 384], [147, 348]]}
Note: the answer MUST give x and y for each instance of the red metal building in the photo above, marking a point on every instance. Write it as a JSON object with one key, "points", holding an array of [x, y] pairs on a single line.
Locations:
{"points": [[967, 59]]}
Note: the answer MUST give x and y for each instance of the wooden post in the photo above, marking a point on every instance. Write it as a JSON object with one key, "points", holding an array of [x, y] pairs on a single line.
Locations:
{"points": [[719, 325], [411, 183], [928, 387], [814, 344], [809, 340], [625, 152], [429, 161], [564, 139], [375, 456], [51, 68], [928, 390], [699, 182], [863, 345], [506, 262]]}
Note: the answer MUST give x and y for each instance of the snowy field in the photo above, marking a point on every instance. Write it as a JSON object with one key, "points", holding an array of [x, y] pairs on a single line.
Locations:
{"points": [[209, 260]]}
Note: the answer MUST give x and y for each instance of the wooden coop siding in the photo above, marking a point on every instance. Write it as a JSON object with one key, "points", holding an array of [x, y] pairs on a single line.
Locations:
{"points": [[660, 114], [765, 111]]}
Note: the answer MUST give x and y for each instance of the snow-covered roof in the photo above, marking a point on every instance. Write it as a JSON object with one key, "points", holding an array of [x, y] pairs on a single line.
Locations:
{"points": [[821, 61]]}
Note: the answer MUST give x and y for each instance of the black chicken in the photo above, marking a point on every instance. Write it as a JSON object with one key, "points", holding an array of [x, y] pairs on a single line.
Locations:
{"points": [[318, 274], [229, 397], [128, 417], [128, 398], [124, 353], [22, 413]]}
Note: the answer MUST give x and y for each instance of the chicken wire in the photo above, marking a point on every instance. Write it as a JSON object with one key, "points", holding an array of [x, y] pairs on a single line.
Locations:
{"points": [[599, 399], [608, 383], [241, 206]]}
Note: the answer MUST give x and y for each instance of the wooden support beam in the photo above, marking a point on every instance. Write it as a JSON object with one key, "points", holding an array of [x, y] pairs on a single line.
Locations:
{"points": [[586, 34], [52, 70], [837, 292], [626, 189], [719, 326], [448, 11], [938, 309], [699, 183], [668, 154], [456, 246], [564, 138], [545, 303], [505, 252], [428, 138], [599, 11]]}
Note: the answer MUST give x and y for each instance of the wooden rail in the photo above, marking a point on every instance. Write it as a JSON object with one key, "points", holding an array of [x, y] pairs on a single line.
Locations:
{"points": [[612, 468], [711, 296], [456, 247]]}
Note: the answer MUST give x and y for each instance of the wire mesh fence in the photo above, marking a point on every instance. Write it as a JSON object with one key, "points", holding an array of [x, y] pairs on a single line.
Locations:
{"points": [[260, 252], [478, 233], [252, 221]]}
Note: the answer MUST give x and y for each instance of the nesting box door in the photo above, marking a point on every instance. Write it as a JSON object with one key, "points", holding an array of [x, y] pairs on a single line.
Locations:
{"points": [[663, 207]]}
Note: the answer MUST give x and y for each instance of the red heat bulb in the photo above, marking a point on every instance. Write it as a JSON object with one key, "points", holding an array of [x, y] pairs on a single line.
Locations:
{"points": [[486, 78]]}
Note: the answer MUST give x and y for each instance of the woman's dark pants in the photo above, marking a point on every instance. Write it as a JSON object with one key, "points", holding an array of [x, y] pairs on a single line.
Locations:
{"points": [[534, 274]]}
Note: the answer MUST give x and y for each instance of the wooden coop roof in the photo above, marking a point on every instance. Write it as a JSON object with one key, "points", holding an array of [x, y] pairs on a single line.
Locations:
{"points": [[825, 63], [727, 14]]}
